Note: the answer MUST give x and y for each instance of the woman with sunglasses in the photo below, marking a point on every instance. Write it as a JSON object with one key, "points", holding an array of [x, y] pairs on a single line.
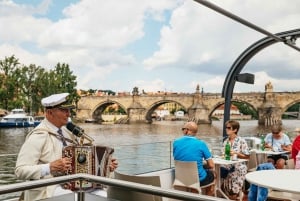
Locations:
{"points": [[278, 141], [234, 175]]}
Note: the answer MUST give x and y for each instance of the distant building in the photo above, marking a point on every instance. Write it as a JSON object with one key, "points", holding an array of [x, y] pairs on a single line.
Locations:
{"points": [[162, 113], [179, 114], [234, 113], [220, 111]]}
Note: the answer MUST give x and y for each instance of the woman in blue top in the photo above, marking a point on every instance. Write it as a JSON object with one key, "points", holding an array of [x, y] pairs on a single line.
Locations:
{"points": [[190, 148]]}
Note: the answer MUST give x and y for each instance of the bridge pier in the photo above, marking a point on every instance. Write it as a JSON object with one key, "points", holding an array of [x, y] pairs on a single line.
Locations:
{"points": [[198, 112], [199, 115], [136, 112], [136, 115], [269, 113]]}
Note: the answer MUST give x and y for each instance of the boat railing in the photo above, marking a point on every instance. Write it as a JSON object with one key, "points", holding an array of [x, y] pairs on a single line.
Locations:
{"points": [[170, 193], [146, 157]]}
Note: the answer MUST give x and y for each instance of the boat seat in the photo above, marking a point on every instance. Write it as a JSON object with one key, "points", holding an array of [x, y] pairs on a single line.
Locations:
{"points": [[187, 178], [290, 164], [127, 195]]}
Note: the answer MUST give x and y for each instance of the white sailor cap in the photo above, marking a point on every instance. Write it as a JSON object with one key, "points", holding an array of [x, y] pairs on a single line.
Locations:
{"points": [[57, 101]]}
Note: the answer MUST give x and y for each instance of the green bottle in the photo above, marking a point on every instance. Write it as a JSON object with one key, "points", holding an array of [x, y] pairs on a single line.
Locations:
{"points": [[227, 151], [262, 142]]}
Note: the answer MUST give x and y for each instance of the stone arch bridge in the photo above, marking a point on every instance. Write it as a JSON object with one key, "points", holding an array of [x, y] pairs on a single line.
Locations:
{"points": [[269, 105]]}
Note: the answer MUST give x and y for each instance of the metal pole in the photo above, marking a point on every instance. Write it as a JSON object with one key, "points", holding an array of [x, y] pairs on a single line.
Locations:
{"points": [[80, 196]]}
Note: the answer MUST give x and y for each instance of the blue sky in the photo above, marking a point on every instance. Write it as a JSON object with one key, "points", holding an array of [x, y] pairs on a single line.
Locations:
{"points": [[158, 45]]}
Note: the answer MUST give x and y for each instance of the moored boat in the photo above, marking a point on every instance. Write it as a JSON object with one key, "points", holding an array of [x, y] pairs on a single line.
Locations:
{"points": [[17, 118], [38, 119]]}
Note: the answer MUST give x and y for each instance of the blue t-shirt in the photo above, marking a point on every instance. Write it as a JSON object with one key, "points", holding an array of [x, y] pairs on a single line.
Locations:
{"points": [[189, 148]]}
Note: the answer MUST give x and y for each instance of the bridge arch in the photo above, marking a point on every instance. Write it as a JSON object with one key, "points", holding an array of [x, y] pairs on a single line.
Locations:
{"points": [[293, 102], [151, 108], [220, 103], [97, 111]]}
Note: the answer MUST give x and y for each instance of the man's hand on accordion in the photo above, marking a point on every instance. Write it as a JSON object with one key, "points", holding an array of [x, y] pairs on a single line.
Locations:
{"points": [[60, 166], [113, 165]]}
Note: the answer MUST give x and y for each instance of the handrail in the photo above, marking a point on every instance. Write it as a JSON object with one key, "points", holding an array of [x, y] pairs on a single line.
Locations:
{"points": [[107, 181]]}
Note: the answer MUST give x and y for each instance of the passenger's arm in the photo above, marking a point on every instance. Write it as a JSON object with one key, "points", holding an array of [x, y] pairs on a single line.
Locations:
{"points": [[210, 164], [287, 147]]}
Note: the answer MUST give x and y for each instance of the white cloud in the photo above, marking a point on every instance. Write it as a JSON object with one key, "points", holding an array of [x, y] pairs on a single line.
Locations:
{"points": [[150, 86], [94, 35]]}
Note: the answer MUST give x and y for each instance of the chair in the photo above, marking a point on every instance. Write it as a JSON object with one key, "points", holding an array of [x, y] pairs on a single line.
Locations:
{"points": [[290, 164], [127, 195], [252, 163], [187, 178]]}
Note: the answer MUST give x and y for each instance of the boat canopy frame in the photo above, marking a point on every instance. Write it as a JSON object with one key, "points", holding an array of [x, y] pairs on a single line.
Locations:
{"points": [[234, 75]]}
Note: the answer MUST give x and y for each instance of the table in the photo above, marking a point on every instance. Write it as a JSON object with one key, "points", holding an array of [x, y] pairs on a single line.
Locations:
{"points": [[286, 180], [218, 162], [265, 153], [269, 152]]}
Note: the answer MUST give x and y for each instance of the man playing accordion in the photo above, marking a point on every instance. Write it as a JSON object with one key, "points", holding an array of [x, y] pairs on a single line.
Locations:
{"points": [[41, 156]]}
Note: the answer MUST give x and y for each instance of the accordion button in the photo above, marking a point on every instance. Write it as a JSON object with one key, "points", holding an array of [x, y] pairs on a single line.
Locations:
{"points": [[81, 158]]}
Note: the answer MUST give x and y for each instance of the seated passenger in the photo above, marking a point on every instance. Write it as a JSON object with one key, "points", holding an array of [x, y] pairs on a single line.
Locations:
{"points": [[234, 178], [278, 141], [190, 148]]}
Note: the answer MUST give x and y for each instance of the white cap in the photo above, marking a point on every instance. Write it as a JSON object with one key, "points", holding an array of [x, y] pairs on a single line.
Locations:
{"points": [[57, 100]]}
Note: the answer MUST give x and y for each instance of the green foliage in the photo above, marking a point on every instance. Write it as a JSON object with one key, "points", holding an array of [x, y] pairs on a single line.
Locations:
{"points": [[246, 109], [294, 108], [24, 86]]}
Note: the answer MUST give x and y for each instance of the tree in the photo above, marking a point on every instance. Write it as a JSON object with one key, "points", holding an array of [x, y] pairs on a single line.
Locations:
{"points": [[9, 85], [24, 86], [246, 109], [30, 88]]}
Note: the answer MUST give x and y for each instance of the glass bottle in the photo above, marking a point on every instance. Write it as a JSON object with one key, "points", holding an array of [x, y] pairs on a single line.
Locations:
{"points": [[227, 151], [262, 142]]}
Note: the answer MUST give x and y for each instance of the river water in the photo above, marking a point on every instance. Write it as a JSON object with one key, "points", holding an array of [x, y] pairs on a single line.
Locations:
{"points": [[138, 147]]}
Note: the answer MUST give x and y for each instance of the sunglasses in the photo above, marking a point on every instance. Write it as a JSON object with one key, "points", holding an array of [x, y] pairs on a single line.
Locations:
{"points": [[229, 128], [275, 133], [184, 129]]}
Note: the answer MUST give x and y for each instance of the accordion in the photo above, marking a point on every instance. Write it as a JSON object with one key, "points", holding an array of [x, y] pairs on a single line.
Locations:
{"points": [[92, 160]]}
